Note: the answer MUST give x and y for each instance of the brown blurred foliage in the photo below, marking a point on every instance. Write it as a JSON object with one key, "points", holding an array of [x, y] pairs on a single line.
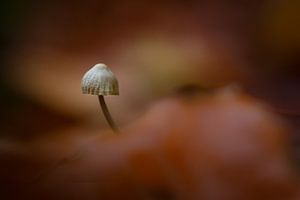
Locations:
{"points": [[194, 145], [223, 144], [152, 47]]}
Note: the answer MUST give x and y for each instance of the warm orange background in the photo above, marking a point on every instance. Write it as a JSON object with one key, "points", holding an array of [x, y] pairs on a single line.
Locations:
{"points": [[154, 48]]}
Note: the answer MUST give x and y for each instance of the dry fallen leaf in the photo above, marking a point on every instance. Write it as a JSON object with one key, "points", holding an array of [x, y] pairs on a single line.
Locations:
{"points": [[221, 145]]}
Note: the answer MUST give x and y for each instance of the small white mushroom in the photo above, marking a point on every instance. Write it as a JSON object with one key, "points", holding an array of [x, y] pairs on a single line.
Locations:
{"points": [[100, 81]]}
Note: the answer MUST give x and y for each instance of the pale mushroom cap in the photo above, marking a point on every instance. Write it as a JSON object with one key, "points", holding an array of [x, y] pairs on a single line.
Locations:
{"points": [[99, 80]]}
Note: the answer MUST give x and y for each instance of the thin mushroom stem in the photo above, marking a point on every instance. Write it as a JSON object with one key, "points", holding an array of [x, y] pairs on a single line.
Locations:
{"points": [[107, 114]]}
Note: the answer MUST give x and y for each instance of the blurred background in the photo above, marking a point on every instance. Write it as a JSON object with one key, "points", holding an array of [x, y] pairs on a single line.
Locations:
{"points": [[153, 48]]}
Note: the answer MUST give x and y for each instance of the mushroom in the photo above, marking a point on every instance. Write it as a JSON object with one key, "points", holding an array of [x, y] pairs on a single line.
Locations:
{"points": [[101, 81]]}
